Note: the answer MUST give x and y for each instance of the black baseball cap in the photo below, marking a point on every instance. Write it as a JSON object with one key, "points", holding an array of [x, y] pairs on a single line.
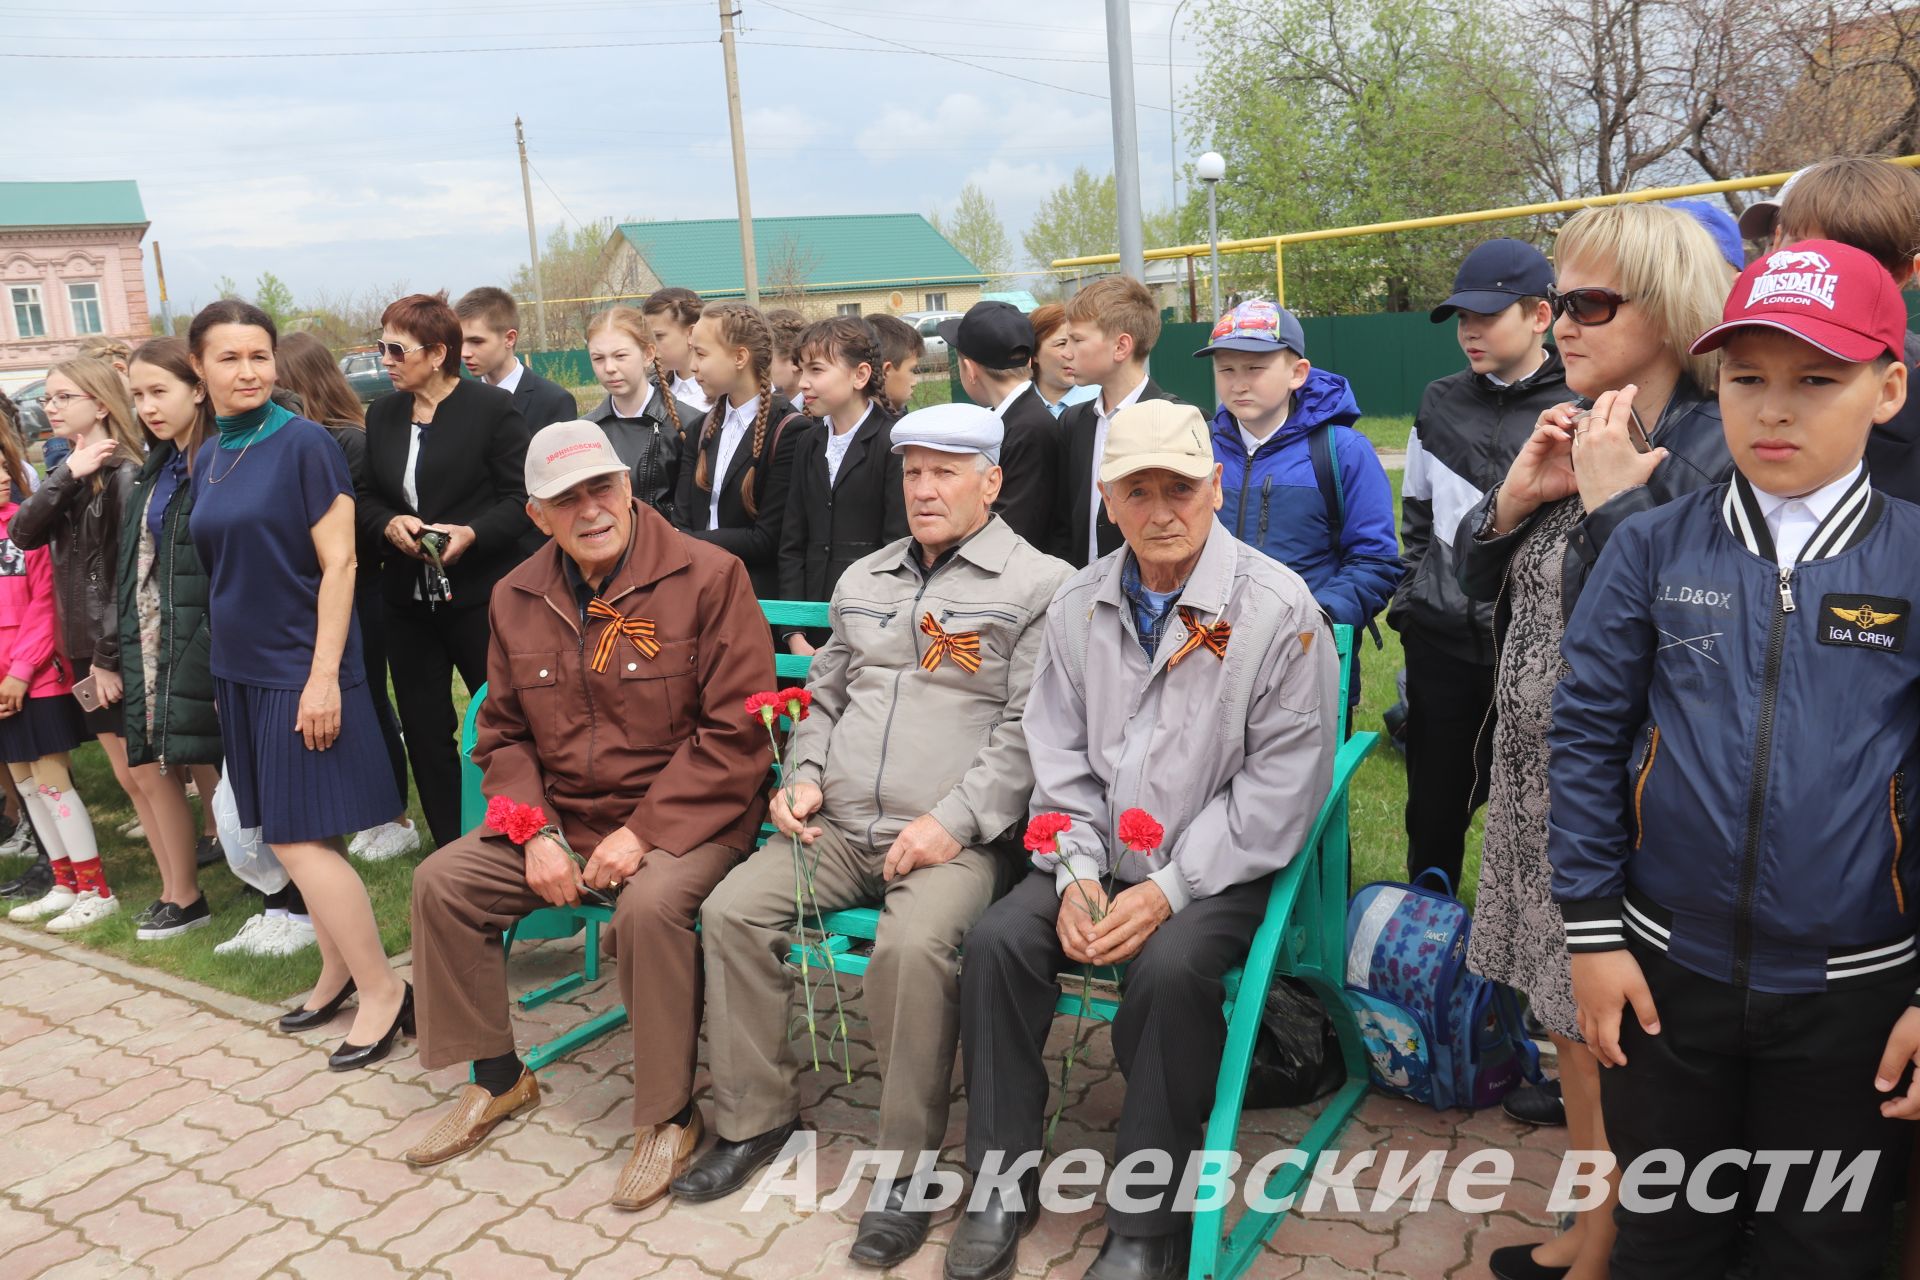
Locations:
{"points": [[1496, 275], [995, 335]]}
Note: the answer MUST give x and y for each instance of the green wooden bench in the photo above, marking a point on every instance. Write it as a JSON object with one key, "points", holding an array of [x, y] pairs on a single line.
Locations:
{"points": [[1302, 936]]}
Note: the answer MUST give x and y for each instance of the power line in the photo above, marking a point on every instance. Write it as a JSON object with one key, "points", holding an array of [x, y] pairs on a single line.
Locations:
{"points": [[553, 193], [351, 53]]}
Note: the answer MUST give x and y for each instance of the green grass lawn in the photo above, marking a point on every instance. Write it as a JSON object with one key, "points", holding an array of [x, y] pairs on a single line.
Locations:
{"points": [[1387, 434]]}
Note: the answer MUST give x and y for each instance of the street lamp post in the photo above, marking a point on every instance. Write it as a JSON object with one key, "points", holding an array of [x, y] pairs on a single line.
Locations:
{"points": [[1210, 168]]}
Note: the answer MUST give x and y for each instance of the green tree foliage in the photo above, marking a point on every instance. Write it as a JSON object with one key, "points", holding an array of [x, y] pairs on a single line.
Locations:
{"points": [[1336, 113], [1082, 216], [975, 229], [271, 295], [570, 271]]}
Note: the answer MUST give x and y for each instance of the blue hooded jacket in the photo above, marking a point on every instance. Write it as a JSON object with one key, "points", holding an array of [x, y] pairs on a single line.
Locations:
{"points": [[1274, 503]]}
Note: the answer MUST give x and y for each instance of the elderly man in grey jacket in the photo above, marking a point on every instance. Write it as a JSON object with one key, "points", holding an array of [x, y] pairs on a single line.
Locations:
{"points": [[909, 782], [1188, 675]]}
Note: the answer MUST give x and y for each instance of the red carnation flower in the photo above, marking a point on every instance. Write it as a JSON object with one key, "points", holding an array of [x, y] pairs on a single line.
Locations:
{"points": [[795, 702], [525, 822], [499, 809], [1043, 832], [1139, 832], [764, 705]]}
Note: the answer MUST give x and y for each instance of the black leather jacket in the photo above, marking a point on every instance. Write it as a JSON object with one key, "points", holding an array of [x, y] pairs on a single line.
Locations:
{"points": [[1689, 429], [81, 521], [652, 447]]}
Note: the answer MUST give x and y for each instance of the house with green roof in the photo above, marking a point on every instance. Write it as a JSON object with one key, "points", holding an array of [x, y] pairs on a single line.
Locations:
{"points": [[70, 269], [845, 264]]}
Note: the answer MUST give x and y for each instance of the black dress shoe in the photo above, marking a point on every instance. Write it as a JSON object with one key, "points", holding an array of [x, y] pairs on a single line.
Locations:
{"points": [[987, 1242], [34, 882], [729, 1166], [1539, 1104], [890, 1235], [305, 1019], [350, 1057], [208, 853], [1515, 1262], [1142, 1257]]}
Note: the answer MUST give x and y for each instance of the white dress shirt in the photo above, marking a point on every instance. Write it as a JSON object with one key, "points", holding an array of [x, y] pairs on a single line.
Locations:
{"points": [[408, 484], [838, 442], [1103, 420], [1000, 410], [512, 380], [688, 390], [1792, 521], [734, 429]]}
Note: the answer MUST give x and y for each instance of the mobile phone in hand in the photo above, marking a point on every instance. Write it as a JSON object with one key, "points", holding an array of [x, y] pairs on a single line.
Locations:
{"points": [[88, 694]]}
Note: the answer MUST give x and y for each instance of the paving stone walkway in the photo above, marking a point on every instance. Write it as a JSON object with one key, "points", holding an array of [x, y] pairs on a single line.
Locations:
{"points": [[154, 1128]]}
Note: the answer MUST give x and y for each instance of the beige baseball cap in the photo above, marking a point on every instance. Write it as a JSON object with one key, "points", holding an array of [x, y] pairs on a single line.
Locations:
{"points": [[1157, 435], [562, 455]]}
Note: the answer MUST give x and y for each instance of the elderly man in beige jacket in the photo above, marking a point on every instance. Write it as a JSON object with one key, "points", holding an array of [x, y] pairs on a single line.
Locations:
{"points": [[909, 781], [1188, 675]]}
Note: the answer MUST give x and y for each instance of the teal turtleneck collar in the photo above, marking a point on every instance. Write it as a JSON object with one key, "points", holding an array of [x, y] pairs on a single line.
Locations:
{"points": [[255, 424]]}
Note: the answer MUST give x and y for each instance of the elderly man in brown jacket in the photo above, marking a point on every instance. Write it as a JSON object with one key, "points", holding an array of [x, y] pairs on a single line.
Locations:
{"points": [[905, 781], [622, 655]]}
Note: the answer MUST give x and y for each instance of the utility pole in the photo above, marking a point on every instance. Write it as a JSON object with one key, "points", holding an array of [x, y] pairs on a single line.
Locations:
{"points": [[750, 269], [1126, 139], [533, 240]]}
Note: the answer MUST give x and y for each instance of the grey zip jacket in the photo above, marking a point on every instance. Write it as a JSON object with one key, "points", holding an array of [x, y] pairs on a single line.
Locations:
{"points": [[888, 740], [1232, 755]]}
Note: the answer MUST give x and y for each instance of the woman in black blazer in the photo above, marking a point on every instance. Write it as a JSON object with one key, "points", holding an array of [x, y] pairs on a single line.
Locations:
{"points": [[847, 499], [448, 455], [737, 466]]}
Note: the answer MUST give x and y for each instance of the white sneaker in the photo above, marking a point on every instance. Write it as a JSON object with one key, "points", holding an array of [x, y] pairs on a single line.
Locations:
{"points": [[133, 830], [88, 908], [251, 939], [58, 899], [292, 937], [19, 844], [359, 841], [388, 840]]}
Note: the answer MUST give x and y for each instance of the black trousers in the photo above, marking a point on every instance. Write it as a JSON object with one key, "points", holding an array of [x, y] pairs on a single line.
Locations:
{"points": [[1449, 757], [1167, 1035], [424, 648], [1740, 1070], [371, 611]]}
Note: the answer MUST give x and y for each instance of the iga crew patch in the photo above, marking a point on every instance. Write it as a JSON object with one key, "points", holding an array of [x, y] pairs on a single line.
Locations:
{"points": [[1864, 622]]}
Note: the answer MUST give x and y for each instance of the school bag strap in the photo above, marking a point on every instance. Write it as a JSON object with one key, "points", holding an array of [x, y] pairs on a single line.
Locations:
{"points": [[1326, 475]]}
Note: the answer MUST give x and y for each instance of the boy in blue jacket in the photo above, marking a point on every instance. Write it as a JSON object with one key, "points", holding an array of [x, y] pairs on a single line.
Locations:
{"points": [[1733, 749], [1300, 483]]}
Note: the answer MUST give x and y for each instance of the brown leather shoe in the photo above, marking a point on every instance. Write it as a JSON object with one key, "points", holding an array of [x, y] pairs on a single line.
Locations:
{"points": [[661, 1153], [475, 1113]]}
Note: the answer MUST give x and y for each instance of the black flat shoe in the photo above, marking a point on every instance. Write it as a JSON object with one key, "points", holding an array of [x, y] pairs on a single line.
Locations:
{"points": [[729, 1166], [1142, 1257], [34, 882], [1539, 1104], [986, 1244], [889, 1236], [351, 1057], [1515, 1262], [305, 1019], [208, 853]]}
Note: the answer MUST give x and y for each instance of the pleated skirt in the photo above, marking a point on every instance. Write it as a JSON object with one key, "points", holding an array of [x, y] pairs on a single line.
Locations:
{"points": [[294, 794], [44, 726]]}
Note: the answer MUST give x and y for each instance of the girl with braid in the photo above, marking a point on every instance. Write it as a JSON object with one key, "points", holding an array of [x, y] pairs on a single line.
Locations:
{"points": [[735, 493], [847, 499], [671, 314], [640, 414]]}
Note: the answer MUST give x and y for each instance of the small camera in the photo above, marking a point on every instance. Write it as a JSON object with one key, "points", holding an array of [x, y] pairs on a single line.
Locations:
{"points": [[433, 545]]}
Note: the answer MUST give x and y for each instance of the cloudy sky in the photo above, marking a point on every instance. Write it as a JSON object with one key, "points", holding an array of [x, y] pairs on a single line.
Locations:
{"points": [[361, 145]]}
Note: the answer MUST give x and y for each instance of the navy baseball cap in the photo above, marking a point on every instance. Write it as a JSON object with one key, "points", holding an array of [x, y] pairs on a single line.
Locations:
{"points": [[1256, 326], [1496, 275], [997, 335]]}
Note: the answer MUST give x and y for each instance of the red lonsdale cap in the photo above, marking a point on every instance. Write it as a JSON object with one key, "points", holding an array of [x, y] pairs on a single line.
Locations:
{"points": [[1834, 296]]}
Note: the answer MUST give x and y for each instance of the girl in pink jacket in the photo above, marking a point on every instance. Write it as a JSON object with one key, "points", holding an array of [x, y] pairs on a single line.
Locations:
{"points": [[40, 722]]}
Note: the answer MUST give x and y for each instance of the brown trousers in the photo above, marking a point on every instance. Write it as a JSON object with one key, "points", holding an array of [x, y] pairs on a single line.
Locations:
{"points": [[912, 983], [470, 891]]}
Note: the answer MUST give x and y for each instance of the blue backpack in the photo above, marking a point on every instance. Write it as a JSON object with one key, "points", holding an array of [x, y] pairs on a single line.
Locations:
{"points": [[1436, 1032]]}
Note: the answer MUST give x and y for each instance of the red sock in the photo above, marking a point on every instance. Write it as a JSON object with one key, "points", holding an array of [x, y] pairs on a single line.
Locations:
{"points": [[91, 876], [63, 875]]}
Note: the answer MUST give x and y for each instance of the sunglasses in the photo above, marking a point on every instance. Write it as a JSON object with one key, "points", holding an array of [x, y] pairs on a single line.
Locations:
{"points": [[394, 351], [1591, 305]]}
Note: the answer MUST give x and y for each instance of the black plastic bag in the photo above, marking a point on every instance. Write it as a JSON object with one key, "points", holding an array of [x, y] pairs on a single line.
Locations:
{"points": [[1296, 1057]]}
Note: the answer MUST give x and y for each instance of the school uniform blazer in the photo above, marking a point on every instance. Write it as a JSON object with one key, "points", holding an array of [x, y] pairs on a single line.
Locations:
{"points": [[1077, 474], [829, 525], [472, 471], [1029, 468], [542, 403], [754, 537]]}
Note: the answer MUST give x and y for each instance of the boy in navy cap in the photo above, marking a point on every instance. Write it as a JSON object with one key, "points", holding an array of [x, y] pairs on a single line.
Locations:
{"points": [[1299, 482], [994, 344], [1470, 426], [1732, 754]]}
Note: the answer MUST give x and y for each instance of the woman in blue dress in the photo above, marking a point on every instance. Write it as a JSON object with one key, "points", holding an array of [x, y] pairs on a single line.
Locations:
{"points": [[273, 521]]}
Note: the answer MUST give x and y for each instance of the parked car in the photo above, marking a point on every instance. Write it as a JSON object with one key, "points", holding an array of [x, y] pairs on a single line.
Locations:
{"points": [[366, 375], [927, 325], [33, 413]]}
